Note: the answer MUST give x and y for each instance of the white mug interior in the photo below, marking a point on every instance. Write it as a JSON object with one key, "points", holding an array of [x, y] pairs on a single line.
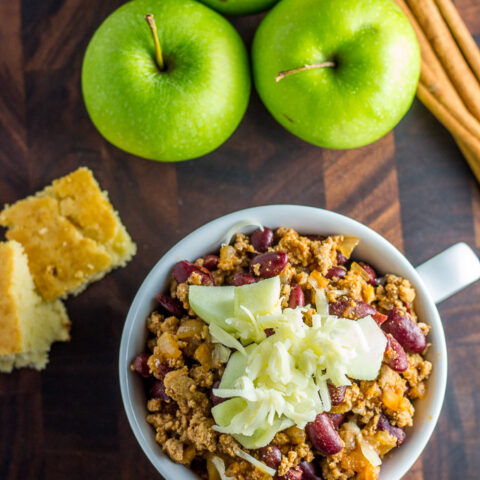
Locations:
{"points": [[373, 249]]}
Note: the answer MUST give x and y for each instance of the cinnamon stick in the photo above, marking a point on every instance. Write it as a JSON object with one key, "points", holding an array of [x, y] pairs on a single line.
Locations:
{"points": [[467, 140], [472, 161], [461, 33], [446, 95], [439, 95], [429, 58], [448, 52]]}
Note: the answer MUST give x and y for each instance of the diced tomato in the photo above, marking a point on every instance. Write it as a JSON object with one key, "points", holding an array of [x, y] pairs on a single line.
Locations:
{"points": [[379, 318]]}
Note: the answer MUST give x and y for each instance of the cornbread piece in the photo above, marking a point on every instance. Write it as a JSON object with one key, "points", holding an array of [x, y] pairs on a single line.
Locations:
{"points": [[28, 325], [71, 234]]}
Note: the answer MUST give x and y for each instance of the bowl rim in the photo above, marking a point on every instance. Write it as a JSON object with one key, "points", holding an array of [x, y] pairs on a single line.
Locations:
{"points": [[172, 470]]}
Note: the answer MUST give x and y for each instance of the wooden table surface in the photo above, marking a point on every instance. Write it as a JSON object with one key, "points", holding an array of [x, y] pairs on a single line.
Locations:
{"points": [[412, 186]]}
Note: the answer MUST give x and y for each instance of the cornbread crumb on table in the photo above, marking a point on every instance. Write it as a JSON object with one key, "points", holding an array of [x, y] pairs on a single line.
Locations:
{"points": [[28, 324], [70, 233]]}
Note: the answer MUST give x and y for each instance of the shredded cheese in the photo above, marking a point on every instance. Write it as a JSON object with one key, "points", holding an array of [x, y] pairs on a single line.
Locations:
{"points": [[219, 335], [286, 374], [236, 228], [256, 463], [221, 353], [369, 452], [283, 378], [367, 449], [220, 466]]}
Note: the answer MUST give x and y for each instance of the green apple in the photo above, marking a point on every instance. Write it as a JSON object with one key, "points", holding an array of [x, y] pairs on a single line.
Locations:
{"points": [[225, 411], [336, 73], [258, 298], [240, 7], [236, 366], [175, 99], [215, 304]]}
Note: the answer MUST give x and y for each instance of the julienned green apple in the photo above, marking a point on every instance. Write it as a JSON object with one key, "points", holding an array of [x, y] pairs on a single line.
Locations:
{"points": [[336, 73], [239, 7], [174, 99]]}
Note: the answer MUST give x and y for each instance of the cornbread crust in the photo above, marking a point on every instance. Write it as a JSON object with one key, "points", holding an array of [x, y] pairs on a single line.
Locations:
{"points": [[28, 324], [71, 234]]}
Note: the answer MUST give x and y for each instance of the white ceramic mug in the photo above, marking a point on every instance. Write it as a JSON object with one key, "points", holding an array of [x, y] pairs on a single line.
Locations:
{"points": [[434, 281]]}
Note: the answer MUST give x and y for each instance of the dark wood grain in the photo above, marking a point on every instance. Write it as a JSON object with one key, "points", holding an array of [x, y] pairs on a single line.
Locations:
{"points": [[412, 187]]}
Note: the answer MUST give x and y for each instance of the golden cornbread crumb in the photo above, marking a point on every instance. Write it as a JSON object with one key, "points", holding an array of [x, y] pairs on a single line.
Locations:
{"points": [[70, 233], [28, 324]]}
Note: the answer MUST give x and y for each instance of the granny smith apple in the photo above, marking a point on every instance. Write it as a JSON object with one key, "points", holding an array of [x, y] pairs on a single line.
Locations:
{"points": [[240, 7], [336, 73], [215, 304], [171, 89]]}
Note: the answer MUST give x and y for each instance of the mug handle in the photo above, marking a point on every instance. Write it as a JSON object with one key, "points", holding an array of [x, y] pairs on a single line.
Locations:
{"points": [[450, 271]]}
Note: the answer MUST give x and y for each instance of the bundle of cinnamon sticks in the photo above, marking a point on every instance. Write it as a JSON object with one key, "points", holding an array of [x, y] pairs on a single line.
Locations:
{"points": [[450, 77]]}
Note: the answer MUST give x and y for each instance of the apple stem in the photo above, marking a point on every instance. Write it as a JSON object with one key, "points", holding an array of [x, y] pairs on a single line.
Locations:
{"points": [[293, 71], [158, 49]]}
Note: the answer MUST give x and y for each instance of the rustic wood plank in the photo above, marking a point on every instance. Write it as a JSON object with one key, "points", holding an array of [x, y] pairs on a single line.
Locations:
{"points": [[476, 211], [470, 11], [56, 33], [20, 395], [412, 186], [21, 435], [13, 133], [434, 185], [362, 184]]}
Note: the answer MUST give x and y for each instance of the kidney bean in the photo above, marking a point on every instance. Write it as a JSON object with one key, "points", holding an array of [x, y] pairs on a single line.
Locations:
{"points": [[405, 331], [295, 473], [397, 361], [240, 279], [384, 425], [271, 455], [309, 471], [297, 297], [161, 369], [182, 271], [338, 307], [268, 264], [269, 332], [323, 435], [358, 310], [171, 305], [141, 366], [336, 418], [341, 259], [213, 398], [363, 309], [371, 273], [262, 239], [314, 237], [210, 262], [338, 272], [157, 390], [337, 394]]}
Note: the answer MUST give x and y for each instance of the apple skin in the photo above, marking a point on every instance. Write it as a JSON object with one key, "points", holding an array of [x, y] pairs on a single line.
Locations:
{"points": [[239, 7], [178, 114], [359, 100]]}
